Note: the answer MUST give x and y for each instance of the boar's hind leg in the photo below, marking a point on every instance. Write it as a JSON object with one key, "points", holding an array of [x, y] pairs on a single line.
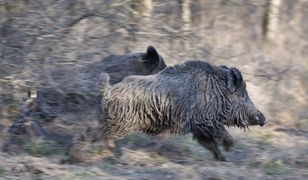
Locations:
{"points": [[105, 133], [95, 134], [210, 143], [75, 151]]}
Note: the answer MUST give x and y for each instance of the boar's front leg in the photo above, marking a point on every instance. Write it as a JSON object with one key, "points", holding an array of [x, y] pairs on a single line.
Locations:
{"points": [[227, 141], [212, 144]]}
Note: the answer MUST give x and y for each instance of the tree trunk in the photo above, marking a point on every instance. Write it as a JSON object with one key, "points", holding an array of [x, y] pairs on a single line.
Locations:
{"points": [[271, 21]]}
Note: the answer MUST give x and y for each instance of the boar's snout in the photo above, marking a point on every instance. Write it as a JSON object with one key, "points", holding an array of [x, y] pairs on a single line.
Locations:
{"points": [[259, 119]]}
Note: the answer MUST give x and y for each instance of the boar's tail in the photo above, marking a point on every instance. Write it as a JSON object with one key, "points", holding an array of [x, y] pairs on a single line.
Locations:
{"points": [[103, 81]]}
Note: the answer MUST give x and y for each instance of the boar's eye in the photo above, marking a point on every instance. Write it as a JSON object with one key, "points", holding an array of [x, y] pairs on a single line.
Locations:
{"points": [[234, 80], [244, 95]]}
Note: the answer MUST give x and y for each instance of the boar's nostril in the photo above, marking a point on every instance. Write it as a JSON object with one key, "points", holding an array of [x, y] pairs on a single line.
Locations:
{"points": [[258, 119]]}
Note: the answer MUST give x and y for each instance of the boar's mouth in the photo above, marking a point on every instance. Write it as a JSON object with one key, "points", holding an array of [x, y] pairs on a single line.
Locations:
{"points": [[243, 123]]}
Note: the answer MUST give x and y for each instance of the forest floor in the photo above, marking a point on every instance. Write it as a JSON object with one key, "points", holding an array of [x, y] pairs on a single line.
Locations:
{"points": [[260, 153]]}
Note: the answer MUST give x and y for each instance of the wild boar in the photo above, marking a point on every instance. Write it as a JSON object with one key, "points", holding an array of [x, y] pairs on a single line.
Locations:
{"points": [[194, 97], [73, 95]]}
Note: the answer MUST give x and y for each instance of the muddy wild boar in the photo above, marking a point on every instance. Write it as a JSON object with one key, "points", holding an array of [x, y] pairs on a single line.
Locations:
{"points": [[194, 97], [72, 95]]}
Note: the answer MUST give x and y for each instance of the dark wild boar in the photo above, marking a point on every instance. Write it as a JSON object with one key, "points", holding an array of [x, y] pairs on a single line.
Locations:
{"points": [[194, 97], [73, 95]]}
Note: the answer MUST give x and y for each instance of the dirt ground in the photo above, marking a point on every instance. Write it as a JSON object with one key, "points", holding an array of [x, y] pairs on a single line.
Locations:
{"points": [[260, 153]]}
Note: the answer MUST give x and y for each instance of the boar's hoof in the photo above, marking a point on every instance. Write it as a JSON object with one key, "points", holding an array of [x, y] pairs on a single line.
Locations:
{"points": [[220, 157], [74, 153]]}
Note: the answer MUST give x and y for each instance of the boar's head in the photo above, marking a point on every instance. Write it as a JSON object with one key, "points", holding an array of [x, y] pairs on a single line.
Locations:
{"points": [[242, 112]]}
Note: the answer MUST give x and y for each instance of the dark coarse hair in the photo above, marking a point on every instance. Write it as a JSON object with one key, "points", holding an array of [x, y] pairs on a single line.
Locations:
{"points": [[179, 99]]}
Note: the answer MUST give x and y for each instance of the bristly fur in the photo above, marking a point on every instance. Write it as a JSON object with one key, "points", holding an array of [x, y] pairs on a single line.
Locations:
{"points": [[176, 100], [194, 97]]}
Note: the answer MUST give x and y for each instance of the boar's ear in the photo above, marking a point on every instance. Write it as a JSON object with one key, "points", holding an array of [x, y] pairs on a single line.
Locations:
{"points": [[152, 55], [234, 80], [224, 67]]}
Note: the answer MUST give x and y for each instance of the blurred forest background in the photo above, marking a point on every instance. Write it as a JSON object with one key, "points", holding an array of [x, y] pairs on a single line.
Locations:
{"points": [[266, 39]]}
